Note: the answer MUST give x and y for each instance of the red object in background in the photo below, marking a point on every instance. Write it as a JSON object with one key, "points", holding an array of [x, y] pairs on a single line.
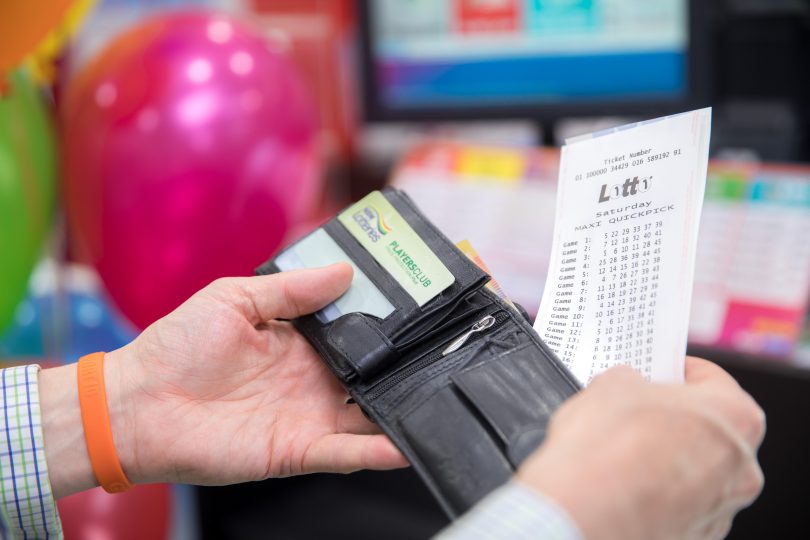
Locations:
{"points": [[473, 16], [321, 39], [142, 512]]}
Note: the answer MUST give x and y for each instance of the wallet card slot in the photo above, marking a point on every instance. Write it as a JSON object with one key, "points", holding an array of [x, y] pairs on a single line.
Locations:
{"points": [[467, 308], [408, 321], [408, 317], [516, 393], [405, 306], [466, 275], [435, 310], [358, 340], [454, 447]]}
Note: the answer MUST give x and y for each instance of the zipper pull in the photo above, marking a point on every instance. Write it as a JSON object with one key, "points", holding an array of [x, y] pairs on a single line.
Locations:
{"points": [[480, 326]]}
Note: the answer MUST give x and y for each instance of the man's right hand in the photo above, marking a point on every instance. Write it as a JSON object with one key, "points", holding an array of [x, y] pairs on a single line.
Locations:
{"points": [[630, 460]]}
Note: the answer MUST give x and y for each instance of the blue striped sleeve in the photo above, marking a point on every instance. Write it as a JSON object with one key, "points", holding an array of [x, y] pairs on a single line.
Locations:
{"points": [[513, 512], [26, 499]]}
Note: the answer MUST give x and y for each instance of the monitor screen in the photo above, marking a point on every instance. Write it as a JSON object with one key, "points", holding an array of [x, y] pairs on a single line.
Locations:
{"points": [[434, 54]]}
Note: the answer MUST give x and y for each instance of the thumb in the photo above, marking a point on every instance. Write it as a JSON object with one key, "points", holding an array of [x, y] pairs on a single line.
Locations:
{"points": [[287, 295], [700, 371], [347, 452]]}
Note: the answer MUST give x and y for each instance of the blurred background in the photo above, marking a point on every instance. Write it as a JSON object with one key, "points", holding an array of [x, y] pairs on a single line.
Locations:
{"points": [[148, 147]]}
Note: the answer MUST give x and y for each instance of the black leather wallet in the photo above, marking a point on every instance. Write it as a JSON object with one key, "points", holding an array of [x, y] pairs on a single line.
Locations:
{"points": [[462, 385]]}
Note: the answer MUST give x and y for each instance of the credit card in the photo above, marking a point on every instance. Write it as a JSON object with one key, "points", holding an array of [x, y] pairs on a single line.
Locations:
{"points": [[385, 234], [319, 249]]}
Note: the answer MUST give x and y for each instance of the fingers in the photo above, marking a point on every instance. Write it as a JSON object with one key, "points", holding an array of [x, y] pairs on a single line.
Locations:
{"points": [[698, 370], [726, 397], [285, 295], [621, 372], [719, 391], [617, 378], [718, 528], [748, 486], [344, 453]]}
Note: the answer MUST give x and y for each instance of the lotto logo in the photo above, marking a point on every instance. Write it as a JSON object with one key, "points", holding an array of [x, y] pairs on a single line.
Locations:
{"points": [[630, 187]]}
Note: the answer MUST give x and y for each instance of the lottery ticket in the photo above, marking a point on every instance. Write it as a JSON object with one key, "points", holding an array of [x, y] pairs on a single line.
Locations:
{"points": [[620, 276]]}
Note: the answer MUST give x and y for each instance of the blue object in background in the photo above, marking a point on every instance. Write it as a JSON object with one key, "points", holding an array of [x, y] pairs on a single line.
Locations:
{"points": [[64, 326], [542, 79]]}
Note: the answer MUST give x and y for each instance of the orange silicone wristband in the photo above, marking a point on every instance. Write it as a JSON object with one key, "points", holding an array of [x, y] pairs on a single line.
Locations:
{"points": [[97, 429]]}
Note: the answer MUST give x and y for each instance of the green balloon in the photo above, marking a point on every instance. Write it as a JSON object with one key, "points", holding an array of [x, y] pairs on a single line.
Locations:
{"points": [[28, 165]]}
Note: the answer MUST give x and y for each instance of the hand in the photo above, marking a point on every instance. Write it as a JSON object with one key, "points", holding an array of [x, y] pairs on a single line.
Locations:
{"points": [[220, 391], [630, 460]]}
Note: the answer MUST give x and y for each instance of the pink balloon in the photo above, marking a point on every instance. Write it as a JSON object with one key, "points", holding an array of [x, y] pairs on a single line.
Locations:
{"points": [[189, 151]]}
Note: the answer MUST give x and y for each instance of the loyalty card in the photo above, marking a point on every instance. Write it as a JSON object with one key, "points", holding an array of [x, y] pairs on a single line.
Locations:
{"points": [[396, 247], [318, 249]]}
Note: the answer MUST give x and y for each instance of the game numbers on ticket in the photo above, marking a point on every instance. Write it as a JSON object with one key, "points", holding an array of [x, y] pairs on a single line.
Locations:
{"points": [[620, 278]]}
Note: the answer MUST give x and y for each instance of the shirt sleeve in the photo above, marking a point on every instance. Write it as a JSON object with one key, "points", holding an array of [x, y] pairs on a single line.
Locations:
{"points": [[513, 512], [26, 499]]}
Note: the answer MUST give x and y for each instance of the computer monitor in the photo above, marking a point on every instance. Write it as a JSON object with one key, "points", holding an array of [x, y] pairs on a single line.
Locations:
{"points": [[539, 59]]}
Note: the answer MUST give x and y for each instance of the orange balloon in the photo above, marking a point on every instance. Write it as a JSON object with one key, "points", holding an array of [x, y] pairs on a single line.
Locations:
{"points": [[23, 24]]}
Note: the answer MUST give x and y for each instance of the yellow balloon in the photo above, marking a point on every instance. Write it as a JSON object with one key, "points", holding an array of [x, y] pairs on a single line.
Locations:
{"points": [[23, 24], [41, 63]]}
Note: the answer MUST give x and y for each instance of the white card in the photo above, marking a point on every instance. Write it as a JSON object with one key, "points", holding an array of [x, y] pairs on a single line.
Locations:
{"points": [[319, 249], [622, 263]]}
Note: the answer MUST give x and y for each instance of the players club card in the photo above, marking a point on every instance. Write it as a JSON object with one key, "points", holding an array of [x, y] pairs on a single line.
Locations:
{"points": [[385, 234]]}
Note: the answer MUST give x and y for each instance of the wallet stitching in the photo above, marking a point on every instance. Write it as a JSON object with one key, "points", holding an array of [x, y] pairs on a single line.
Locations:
{"points": [[410, 410], [417, 380]]}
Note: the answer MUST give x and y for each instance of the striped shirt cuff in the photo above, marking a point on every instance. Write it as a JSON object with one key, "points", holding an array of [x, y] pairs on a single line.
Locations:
{"points": [[25, 491], [514, 512]]}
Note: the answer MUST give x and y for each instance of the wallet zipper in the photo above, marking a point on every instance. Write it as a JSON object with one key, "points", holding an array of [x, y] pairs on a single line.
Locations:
{"points": [[474, 333], [484, 324]]}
